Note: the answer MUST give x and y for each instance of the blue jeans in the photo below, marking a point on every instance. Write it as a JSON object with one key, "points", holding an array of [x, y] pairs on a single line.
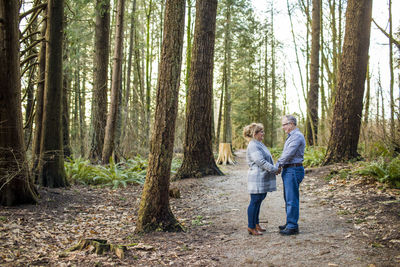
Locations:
{"points": [[253, 211], [292, 178]]}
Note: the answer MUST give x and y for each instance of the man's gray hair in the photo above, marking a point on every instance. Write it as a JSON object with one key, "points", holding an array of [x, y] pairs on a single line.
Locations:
{"points": [[291, 119]]}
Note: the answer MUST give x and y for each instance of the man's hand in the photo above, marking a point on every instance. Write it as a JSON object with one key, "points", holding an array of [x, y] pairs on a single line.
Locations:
{"points": [[279, 171]]}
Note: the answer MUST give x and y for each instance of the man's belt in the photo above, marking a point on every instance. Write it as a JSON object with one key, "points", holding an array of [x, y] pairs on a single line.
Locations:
{"points": [[292, 165]]}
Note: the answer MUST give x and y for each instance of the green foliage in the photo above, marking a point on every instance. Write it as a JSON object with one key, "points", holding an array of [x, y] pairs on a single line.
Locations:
{"points": [[276, 152], [314, 156], [383, 170], [133, 171], [377, 149], [79, 170]]}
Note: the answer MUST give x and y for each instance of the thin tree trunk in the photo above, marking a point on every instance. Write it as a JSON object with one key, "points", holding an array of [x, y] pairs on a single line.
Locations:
{"points": [[66, 89], [221, 103], [15, 181], [392, 103], [312, 97], [154, 211], [115, 85], [39, 99], [198, 159]]}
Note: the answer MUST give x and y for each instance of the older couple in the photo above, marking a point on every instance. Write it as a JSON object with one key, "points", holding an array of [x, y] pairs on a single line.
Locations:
{"points": [[262, 174]]}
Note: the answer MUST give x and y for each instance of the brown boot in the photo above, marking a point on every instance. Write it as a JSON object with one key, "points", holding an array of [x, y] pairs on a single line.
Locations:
{"points": [[253, 231], [259, 229]]}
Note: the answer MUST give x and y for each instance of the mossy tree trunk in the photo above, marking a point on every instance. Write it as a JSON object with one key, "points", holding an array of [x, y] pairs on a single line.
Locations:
{"points": [[15, 182], [345, 128], [198, 157], [154, 211]]}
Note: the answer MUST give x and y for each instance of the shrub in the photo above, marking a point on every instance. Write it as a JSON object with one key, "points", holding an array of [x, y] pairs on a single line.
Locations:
{"points": [[383, 170], [132, 171], [314, 156]]}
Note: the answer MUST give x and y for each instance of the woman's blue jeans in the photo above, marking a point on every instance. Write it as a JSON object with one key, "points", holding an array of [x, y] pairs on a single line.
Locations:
{"points": [[253, 211], [292, 178]]}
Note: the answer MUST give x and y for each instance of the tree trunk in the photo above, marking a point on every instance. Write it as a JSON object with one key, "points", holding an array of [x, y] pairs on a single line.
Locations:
{"points": [[51, 163], [39, 99], [227, 129], [115, 85], [154, 211], [198, 158], [345, 129], [15, 183], [312, 97], [100, 74], [65, 106]]}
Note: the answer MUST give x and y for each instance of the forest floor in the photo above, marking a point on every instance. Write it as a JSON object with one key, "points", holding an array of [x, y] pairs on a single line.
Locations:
{"points": [[342, 222]]}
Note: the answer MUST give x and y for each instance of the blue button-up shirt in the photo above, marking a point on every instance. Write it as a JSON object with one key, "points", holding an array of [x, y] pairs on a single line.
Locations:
{"points": [[293, 151]]}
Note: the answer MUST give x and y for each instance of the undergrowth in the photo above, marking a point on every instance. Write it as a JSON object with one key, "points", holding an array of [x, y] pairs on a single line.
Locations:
{"points": [[132, 171], [383, 170]]}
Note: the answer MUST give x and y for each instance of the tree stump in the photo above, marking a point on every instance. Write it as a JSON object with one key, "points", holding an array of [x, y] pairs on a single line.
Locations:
{"points": [[225, 155]]}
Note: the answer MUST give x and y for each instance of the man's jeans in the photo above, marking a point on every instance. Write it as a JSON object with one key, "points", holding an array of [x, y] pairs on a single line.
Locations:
{"points": [[253, 211], [292, 178]]}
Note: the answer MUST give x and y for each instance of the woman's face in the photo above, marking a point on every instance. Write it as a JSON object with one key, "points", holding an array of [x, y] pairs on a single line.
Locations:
{"points": [[259, 136]]}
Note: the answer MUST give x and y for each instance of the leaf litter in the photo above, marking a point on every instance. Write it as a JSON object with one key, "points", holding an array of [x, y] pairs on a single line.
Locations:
{"points": [[214, 218]]}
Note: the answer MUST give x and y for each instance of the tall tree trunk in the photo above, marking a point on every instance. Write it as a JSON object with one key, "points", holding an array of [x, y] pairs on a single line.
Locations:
{"points": [[148, 73], [154, 211], [227, 129], [39, 99], [100, 74], [115, 85], [188, 45], [345, 129], [51, 163], [392, 104], [198, 158], [367, 98], [15, 182], [65, 106], [125, 125], [273, 85], [312, 97]]}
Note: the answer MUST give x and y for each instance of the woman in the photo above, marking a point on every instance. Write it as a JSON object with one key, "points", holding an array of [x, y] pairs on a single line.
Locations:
{"points": [[261, 175]]}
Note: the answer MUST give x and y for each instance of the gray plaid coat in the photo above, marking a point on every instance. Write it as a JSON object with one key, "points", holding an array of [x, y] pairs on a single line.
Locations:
{"points": [[261, 175]]}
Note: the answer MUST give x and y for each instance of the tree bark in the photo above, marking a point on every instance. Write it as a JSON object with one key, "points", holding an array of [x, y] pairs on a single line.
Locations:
{"points": [[51, 163], [15, 183], [39, 99], [115, 86], [154, 211], [345, 128], [198, 158], [100, 74], [312, 97]]}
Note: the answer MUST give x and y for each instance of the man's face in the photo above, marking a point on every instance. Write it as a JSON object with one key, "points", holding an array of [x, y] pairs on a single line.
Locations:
{"points": [[287, 126]]}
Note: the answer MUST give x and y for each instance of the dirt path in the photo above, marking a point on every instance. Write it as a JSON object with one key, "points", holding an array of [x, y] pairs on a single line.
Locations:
{"points": [[324, 239], [340, 225]]}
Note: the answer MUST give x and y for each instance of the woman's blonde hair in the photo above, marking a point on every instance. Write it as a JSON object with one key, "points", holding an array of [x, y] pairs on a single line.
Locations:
{"points": [[251, 130]]}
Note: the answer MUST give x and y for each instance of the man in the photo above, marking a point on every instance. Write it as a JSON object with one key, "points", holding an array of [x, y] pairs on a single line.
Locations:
{"points": [[291, 165]]}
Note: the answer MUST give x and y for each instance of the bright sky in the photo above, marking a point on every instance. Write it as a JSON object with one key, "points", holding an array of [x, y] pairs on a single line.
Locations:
{"points": [[378, 47]]}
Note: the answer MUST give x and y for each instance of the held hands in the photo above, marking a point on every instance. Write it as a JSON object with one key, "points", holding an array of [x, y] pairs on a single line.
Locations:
{"points": [[278, 171]]}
